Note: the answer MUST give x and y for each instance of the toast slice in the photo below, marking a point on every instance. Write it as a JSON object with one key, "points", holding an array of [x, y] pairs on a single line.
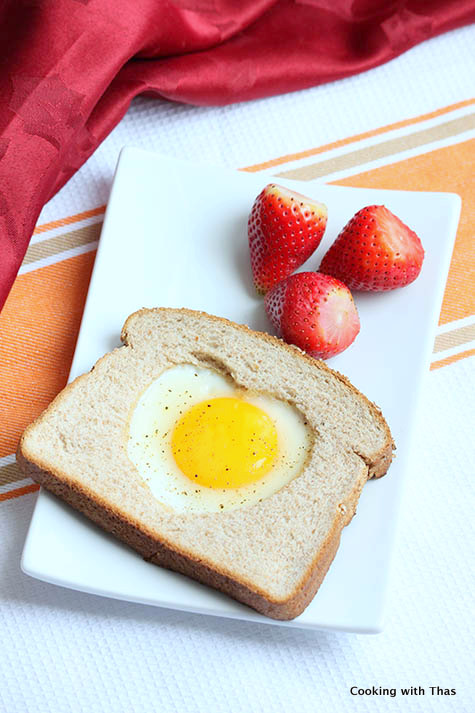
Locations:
{"points": [[272, 555]]}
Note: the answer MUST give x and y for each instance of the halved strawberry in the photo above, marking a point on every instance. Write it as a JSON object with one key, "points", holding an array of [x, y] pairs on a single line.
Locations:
{"points": [[315, 312], [284, 229], [375, 251]]}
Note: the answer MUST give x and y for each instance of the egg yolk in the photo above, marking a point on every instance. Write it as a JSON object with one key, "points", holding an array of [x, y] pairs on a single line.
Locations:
{"points": [[224, 443]]}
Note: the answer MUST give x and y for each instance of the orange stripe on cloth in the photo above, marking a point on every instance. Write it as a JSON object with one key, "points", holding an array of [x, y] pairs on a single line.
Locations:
{"points": [[357, 137], [69, 220], [39, 326], [19, 491], [449, 168], [284, 159], [40, 321], [452, 359]]}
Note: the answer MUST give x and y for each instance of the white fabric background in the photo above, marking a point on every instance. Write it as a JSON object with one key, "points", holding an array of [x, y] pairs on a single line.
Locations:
{"points": [[65, 651], [432, 75]]}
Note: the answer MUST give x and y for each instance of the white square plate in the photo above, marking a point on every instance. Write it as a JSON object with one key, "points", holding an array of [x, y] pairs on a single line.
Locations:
{"points": [[175, 235]]}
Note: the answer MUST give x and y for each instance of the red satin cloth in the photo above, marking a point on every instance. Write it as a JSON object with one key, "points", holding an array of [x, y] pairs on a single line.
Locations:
{"points": [[69, 69]]}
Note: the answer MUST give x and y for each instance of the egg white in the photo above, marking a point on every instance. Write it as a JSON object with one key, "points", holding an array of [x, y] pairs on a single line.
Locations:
{"points": [[164, 402]]}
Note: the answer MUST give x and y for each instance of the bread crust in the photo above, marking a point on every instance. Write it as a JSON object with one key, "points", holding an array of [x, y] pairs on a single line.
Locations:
{"points": [[166, 554], [379, 465]]}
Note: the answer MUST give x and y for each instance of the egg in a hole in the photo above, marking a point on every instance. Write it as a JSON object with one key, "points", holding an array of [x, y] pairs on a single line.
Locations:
{"points": [[203, 444]]}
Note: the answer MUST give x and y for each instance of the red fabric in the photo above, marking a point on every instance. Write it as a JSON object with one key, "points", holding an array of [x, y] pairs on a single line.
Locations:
{"points": [[70, 68]]}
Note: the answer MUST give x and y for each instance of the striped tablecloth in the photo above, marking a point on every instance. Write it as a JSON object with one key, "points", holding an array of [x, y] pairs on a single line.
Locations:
{"points": [[410, 125]]}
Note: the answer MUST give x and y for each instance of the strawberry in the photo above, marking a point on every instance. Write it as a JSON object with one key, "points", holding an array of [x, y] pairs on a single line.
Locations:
{"points": [[315, 312], [375, 251], [284, 229]]}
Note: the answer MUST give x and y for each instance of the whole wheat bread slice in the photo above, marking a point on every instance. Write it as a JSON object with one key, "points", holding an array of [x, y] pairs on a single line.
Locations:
{"points": [[272, 555]]}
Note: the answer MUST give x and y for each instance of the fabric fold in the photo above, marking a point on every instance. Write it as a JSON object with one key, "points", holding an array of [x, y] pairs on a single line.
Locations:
{"points": [[71, 68]]}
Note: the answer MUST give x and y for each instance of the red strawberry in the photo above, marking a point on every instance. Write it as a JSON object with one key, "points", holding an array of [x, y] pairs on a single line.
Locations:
{"points": [[314, 311], [284, 229], [375, 251]]}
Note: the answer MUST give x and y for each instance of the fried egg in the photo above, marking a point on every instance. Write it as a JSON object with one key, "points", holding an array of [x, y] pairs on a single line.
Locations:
{"points": [[202, 444]]}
